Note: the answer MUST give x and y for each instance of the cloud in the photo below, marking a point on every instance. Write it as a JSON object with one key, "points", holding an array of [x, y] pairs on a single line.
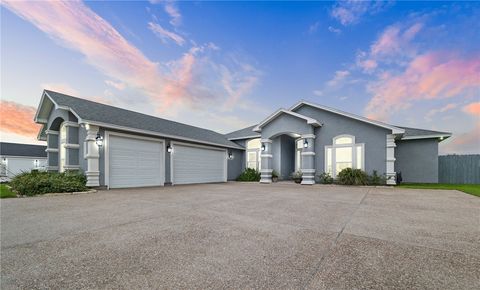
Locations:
{"points": [[464, 143], [165, 35], [334, 30], [18, 119], [351, 11], [340, 75], [393, 40], [117, 85], [173, 12], [314, 27], [443, 109], [473, 109], [429, 76]]}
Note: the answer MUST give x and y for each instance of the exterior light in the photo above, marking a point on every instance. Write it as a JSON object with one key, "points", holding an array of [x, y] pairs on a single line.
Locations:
{"points": [[169, 149], [441, 138], [35, 163], [305, 143], [263, 147], [230, 156], [99, 140]]}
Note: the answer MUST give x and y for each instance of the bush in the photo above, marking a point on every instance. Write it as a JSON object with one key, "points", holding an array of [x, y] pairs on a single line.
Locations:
{"points": [[349, 176], [274, 174], [326, 178], [33, 183], [249, 174], [376, 179]]}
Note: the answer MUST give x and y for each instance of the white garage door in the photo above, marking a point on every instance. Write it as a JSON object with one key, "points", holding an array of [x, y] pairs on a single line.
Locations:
{"points": [[135, 162], [192, 164]]}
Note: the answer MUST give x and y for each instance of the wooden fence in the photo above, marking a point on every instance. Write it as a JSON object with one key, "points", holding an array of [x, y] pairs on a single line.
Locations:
{"points": [[463, 169]]}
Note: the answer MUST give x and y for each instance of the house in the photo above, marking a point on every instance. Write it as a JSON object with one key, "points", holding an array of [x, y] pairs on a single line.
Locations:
{"points": [[16, 158], [121, 148]]}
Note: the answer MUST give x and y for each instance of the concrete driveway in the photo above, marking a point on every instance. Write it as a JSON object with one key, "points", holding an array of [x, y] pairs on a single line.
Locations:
{"points": [[240, 235]]}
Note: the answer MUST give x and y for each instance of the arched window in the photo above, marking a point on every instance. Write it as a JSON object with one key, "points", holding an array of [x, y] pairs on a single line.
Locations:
{"points": [[344, 153], [253, 153]]}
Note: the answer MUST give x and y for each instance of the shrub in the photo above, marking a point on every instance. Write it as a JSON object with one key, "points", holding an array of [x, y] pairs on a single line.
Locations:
{"points": [[376, 179], [249, 174], [297, 174], [33, 183], [349, 176], [326, 178], [274, 174]]}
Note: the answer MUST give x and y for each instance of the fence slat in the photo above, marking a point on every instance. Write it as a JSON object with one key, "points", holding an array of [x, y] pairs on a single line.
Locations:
{"points": [[463, 169]]}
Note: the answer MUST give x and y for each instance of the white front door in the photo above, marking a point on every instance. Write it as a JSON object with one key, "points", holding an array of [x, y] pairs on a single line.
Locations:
{"points": [[135, 162], [198, 164]]}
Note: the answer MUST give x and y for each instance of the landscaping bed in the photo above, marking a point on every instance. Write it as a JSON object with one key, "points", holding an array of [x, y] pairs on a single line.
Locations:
{"points": [[39, 183]]}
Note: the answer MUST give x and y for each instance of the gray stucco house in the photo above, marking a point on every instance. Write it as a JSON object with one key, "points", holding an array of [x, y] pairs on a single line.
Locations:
{"points": [[122, 148]]}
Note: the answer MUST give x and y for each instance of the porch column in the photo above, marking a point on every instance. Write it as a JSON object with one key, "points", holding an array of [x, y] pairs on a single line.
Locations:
{"points": [[266, 155], [390, 172], [308, 159], [92, 156]]}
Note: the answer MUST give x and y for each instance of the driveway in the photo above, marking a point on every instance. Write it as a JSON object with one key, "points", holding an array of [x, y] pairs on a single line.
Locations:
{"points": [[240, 235]]}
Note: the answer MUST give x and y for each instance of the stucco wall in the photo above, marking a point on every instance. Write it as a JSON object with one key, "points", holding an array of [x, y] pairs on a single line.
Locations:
{"points": [[372, 136], [417, 160], [286, 124], [237, 165]]}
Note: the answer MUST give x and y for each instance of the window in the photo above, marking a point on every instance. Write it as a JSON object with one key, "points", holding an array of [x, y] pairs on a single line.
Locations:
{"points": [[343, 153], [253, 153]]}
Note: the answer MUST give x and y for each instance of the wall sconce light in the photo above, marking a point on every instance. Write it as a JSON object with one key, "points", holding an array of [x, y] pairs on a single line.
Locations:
{"points": [[305, 143], [263, 147], [99, 140], [169, 149], [441, 138], [230, 156], [35, 163]]}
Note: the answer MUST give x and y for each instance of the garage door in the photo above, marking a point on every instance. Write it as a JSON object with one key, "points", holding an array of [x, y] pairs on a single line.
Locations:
{"points": [[192, 164], [135, 162]]}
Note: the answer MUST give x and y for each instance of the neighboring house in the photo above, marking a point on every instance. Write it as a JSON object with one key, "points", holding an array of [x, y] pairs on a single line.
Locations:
{"points": [[122, 148], [16, 158]]}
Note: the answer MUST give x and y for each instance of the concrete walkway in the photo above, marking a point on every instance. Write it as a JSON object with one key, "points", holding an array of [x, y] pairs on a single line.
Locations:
{"points": [[240, 235]]}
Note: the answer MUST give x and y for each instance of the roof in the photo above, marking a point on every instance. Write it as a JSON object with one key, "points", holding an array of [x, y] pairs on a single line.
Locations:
{"points": [[243, 133], [395, 130], [18, 149], [415, 133], [407, 133], [114, 117], [270, 118]]}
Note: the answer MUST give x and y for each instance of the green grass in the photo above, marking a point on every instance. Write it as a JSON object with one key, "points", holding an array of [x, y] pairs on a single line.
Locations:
{"points": [[473, 189], [5, 192]]}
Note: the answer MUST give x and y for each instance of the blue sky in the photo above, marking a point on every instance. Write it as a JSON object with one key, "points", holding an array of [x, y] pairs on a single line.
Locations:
{"points": [[226, 65]]}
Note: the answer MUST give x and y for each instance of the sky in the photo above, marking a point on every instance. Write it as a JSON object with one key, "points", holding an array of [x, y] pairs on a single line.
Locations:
{"points": [[228, 65]]}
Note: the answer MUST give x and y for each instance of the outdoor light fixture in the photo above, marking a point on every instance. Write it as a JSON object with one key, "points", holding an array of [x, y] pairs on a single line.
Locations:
{"points": [[441, 138], [230, 155], [263, 147], [35, 163], [169, 149], [99, 140], [305, 143]]}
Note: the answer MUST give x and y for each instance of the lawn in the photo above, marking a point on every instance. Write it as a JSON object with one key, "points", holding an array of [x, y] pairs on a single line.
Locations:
{"points": [[473, 189], [5, 192]]}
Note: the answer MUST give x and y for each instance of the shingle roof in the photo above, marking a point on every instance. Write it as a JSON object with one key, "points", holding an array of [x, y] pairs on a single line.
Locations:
{"points": [[412, 132], [17, 149], [96, 112], [243, 133]]}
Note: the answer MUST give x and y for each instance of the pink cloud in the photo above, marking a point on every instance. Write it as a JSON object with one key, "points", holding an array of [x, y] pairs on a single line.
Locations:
{"points": [[351, 11], [173, 12], [165, 35], [428, 76], [473, 109], [443, 109], [18, 119], [340, 75], [393, 40]]}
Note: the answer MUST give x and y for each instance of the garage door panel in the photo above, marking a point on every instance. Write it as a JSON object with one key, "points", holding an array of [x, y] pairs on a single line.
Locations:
{"points": [[135, 162], [198, 165]]}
